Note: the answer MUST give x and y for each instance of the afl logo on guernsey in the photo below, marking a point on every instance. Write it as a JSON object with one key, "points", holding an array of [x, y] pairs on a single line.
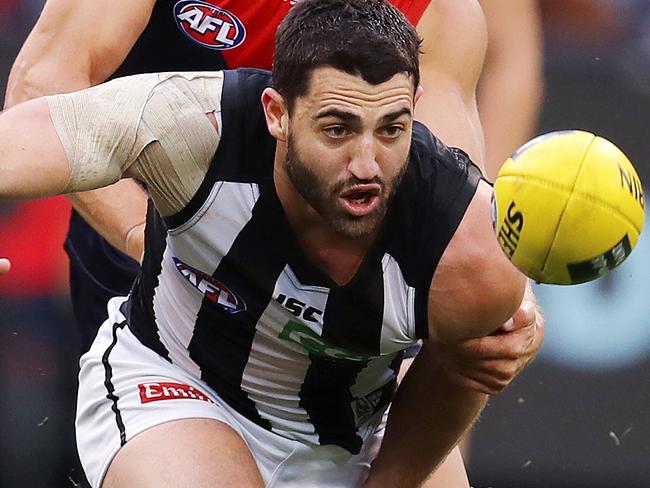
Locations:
{"points": [[213, 290], [208, 25]]}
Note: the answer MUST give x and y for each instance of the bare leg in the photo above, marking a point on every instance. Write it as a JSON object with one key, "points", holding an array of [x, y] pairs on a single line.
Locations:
{"points": [[451, 473], [193, 452]]}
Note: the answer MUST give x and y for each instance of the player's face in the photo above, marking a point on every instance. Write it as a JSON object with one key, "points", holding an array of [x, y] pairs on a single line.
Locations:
{"points": [[348, 147]]}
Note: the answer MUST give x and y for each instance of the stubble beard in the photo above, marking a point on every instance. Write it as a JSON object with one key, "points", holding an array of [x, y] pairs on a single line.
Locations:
{"points": [[323, 197]]}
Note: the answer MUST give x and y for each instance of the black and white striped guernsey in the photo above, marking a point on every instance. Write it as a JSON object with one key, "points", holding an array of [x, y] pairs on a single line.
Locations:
{"points": [[227, 294]]}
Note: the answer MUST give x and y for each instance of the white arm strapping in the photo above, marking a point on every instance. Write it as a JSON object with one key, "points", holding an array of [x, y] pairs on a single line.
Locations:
{"points": [[152, 125]]}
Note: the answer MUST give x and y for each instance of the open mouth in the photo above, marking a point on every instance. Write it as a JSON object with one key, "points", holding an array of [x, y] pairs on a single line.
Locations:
{"points": [[361, 200]]}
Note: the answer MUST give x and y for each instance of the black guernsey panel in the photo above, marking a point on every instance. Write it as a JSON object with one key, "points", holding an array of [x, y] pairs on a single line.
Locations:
{"points": [[428, 207], [139, 312]]}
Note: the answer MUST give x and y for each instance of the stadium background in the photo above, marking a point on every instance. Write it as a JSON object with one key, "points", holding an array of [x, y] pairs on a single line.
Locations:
{"points": [[577, 418]]}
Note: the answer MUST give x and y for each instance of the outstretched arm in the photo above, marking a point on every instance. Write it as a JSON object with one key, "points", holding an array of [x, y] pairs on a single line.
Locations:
{"points": [[33, 162], [75, 45], [125, 128], [128, 127], [469, 358]]}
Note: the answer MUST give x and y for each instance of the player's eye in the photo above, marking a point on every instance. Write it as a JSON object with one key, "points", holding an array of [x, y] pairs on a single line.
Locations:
{"points": [[336, 131], [392, 131]]}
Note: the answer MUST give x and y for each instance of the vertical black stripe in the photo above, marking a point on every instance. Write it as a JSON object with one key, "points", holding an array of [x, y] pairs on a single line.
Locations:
{"points": [[421, 312], [427, 208], [236, 159], [108, 383], [140, 314], [246, 150], [222, 341], [352, 320], [389, 389]]}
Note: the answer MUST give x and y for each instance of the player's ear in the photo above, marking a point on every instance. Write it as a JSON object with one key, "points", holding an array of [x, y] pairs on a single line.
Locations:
{"points": [[276, 113], [418, 93]]}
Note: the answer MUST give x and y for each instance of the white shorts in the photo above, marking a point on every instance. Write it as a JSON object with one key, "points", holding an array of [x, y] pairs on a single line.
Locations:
{"points": [[126, 388]]}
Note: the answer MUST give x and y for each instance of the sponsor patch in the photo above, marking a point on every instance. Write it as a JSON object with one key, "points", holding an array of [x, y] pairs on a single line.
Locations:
{"points": [[314, 344], [215, 291], [153, 392], [209, 25]]}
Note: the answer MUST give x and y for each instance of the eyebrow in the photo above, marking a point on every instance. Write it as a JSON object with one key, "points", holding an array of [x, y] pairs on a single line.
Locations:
{"points": [[388, 118], [353, 119], [348, 117]]}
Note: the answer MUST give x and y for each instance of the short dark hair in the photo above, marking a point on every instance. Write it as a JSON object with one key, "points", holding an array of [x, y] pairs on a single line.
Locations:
{"points": [[369, 38]]}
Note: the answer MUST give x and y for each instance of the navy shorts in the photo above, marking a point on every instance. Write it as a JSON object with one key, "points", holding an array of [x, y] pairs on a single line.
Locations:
{"points": [[98, 272]]}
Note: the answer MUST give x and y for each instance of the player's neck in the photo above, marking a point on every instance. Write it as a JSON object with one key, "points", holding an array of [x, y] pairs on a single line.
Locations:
{"points": [[335, 254], [340, 261]]}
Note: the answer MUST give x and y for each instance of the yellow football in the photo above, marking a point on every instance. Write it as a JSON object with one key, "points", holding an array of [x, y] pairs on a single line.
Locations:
{"points": [[569, 207]]}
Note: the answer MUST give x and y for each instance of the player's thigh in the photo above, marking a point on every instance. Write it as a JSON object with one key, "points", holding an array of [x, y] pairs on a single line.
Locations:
{"points": [[149, 421], [450, 474], [190, 452]]}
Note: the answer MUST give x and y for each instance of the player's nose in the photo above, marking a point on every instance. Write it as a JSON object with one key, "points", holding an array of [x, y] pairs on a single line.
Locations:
{"points": [[363, 161]]}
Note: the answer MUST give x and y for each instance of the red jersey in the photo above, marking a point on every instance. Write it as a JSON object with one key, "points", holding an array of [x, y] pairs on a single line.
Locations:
{"points": [[244, 31], [191, 35]]}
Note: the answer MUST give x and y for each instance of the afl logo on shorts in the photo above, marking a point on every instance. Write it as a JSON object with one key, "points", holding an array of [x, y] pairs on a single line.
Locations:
{"points": [[209, 25]]}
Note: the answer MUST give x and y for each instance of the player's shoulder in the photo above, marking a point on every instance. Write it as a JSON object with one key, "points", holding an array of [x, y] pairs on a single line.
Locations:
{"points": [[245, 85], [432, 158], [245, 146], [475, 288], [429, 204]]}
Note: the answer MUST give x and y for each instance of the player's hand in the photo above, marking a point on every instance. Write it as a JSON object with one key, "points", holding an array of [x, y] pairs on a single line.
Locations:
{"points": [[5, 265], [488, 364]]}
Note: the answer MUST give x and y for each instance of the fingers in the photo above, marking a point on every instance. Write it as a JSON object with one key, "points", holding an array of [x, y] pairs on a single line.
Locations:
{"points": [[5, 265], [489, 376], [479, 381], [523, 317], [506, 345], [488, 364]]}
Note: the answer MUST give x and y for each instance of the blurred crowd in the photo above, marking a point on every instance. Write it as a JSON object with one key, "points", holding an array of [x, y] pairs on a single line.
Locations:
{"points": [[597, 67]]}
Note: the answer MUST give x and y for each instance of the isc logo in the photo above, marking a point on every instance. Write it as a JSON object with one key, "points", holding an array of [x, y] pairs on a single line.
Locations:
{"points": [[208, 25], [299, 309]]}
